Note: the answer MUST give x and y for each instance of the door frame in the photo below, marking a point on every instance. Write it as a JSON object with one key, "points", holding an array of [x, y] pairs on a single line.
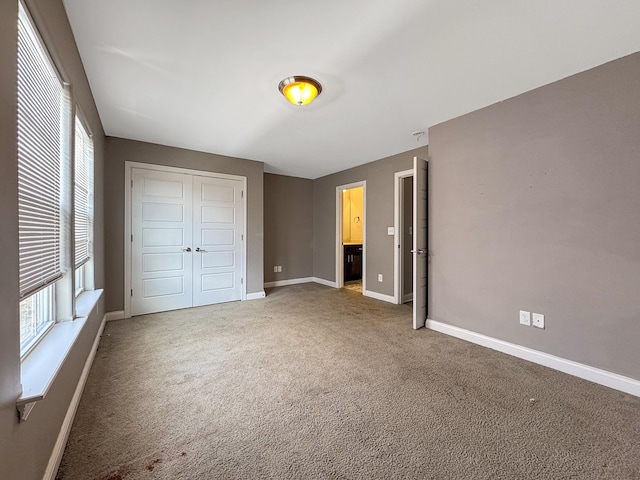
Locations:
{"points": [[339, 249], [398, 195], [128, 183]]}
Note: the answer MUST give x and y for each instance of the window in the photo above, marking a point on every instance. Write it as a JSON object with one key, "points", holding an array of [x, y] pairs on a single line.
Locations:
{"points": [[36, 316], [83, 203], [79, 280], [43, 134]]}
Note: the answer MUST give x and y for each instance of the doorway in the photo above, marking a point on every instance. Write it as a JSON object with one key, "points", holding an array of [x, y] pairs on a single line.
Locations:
{"points": [[185, 240], [403, 199], [419, 236], [350, 236]]}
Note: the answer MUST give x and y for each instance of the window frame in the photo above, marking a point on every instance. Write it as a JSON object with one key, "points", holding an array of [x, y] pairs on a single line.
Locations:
{"points": [[45, 308], [83, 277]]}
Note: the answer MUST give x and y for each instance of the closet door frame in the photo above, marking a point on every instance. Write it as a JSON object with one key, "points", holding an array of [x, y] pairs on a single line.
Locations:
{"points": [[129, 166]]}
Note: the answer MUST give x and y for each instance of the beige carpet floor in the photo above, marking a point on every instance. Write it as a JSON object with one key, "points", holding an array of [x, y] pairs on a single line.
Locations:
{"points": [[314, 382]]}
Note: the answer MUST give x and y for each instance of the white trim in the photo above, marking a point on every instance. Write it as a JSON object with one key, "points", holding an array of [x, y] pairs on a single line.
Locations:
{"points": [[256, 295], [129, 166], [398, 198], [586, 372], [128, 177], [291, 281], [65, 429], [327, 283], [339, 283], [117, 315], [378, 296]]}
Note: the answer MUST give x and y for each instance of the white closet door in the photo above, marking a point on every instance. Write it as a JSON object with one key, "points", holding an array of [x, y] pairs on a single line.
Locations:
{"points": [[218, 238], [162, 226]]}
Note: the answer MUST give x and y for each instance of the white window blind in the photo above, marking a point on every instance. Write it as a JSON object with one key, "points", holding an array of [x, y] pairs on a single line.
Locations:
{"points": [[42, 104], [83, 188]]}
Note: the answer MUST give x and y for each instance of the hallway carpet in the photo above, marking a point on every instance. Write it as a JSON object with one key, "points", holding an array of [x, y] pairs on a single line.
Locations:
{"points": [[313, 382]]}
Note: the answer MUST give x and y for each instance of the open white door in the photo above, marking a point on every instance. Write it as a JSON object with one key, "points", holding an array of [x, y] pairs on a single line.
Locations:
{"points": [[420, 252]]}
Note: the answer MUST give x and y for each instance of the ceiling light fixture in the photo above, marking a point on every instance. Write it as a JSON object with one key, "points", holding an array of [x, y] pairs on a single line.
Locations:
{"points": [[300, 90]]}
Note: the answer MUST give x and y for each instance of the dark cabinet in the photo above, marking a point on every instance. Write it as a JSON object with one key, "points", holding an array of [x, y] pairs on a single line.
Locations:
{"points": [[352, 262]]}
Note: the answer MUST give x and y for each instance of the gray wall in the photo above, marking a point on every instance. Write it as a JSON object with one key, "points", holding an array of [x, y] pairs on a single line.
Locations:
{"points": [[25, 448], [534, 205], [119, 150], [379, 176], [288, 227]]}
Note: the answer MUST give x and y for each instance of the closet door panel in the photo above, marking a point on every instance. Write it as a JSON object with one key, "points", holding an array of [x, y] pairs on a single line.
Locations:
{"points": [[162, 228], [219, 236]]}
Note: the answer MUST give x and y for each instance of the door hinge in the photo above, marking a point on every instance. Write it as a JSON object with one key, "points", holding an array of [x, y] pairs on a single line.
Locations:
{"points": [[242, 237], [132, 292], [132, 238], [241, 193], [241, 281], [132, 183]]}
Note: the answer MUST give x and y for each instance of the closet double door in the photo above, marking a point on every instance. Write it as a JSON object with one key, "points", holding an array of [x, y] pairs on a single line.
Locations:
{"points": [[187, 240]]}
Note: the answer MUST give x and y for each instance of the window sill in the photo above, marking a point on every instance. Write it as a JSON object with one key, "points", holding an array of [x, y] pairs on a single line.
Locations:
{"points": [[40, 368]]}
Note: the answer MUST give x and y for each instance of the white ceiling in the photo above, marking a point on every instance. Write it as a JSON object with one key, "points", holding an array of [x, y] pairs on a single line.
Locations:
{"points": [[203, 74]]}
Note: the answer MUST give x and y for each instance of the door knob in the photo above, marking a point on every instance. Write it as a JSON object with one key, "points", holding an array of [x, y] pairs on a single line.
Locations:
{"points": [[198, 249], [420, 251], [188, 249]]}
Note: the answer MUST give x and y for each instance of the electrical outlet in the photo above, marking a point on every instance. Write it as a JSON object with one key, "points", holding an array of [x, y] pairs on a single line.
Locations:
{"points": [[279, 268], [538, 320], [525, 318], [275, 268], [391, 231], [379, 277]]}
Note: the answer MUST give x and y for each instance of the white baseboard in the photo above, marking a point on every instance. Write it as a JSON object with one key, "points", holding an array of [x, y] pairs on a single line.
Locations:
{"points": [[291, 281], [63, 436], [256, 295], [379, 296], [407, 297], [586, 372], [117, 315], [322, 281]]}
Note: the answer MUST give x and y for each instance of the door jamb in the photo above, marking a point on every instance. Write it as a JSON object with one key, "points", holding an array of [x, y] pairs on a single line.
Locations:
{"points": [[128, 186], [397, 260], [339, 249]]}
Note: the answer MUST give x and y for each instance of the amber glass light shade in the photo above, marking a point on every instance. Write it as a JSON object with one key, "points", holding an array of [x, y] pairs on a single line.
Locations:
{"points": [[300, 90]]}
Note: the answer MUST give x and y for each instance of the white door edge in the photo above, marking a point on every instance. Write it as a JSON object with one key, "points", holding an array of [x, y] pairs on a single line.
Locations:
{"points": [[420, 243]]}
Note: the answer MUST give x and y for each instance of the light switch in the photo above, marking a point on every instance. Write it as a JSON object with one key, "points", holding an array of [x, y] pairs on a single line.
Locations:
{"points": [[391, 231]]}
